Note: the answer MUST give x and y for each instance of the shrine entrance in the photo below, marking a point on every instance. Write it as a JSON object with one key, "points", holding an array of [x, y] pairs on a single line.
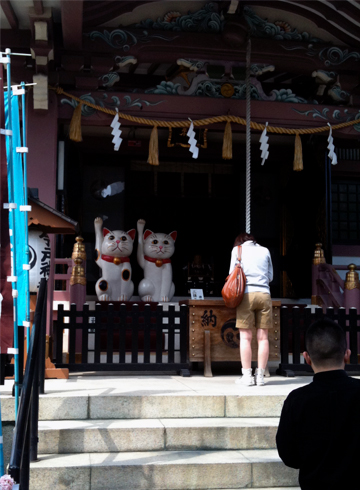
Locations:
{"points": [[203, 200]]}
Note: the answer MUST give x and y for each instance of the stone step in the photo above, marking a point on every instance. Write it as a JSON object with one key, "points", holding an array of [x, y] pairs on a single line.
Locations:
{"points": [[69, 406], [160, 470], [77, 436]]}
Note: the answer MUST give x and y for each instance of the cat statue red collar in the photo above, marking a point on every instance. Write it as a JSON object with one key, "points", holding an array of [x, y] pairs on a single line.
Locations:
{"points": [[153, 255], [115, 260], [113, 251], [158, 262]]}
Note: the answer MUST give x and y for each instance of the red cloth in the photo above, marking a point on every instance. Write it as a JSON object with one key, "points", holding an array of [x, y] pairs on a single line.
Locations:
{"points": [[6, 320]]}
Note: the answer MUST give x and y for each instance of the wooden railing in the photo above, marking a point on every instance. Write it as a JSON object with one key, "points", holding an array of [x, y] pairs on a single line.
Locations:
{"points": [[294, 324], [123, 337]]}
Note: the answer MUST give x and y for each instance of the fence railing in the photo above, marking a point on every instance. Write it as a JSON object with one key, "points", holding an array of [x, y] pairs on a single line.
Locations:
{"points": [[294, 324], [123, 337], [25, 439]]}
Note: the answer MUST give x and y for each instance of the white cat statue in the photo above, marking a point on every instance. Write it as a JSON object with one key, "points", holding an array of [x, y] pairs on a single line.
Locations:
{"points": [[113, 250], [153, 255]]}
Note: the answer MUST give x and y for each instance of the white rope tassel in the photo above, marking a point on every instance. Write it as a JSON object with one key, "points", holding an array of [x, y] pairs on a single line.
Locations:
{"points": [[248, 142], [264, 147], [116, 132], [192, 141], [331, 147]]}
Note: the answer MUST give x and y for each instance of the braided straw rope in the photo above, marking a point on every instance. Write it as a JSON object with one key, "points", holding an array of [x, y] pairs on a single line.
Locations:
{"points": [[206, 121]]}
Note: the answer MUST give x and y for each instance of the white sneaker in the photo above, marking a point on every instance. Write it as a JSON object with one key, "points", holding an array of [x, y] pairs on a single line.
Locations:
{"points": [[247, 379], [259, 377]]}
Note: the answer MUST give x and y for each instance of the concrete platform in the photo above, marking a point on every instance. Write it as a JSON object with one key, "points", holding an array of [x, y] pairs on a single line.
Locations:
{"points": [[120, 396], [120, 431], [77, 436], [94, 384], [158, 470]]}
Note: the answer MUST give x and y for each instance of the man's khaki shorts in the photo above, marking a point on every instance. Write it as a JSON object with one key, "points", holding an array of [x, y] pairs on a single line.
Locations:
{"points": [[254, 310]]}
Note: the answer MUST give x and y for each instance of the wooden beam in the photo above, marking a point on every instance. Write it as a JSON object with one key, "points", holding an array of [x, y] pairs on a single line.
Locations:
{"points": [[9, 14], [99, 12], [71, 21], [38, 7]]}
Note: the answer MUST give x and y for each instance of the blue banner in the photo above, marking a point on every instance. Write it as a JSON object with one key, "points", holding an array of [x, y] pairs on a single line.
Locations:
{"points": [[18, 198]]}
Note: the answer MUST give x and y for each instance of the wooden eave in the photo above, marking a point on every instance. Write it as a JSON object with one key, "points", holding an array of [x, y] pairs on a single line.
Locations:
{"points": [[284, 54]]}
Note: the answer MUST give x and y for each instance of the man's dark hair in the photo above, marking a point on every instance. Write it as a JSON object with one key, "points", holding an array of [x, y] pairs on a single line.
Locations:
{"points": [[326, 343], [244, 237]]}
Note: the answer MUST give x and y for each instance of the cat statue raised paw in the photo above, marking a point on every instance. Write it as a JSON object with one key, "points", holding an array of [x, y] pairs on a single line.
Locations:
{"points": [[153, 255], [113, 250]]}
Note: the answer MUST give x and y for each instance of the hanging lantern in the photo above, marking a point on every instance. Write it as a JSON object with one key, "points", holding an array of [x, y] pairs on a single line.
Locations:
{"points": [[39, 259]]}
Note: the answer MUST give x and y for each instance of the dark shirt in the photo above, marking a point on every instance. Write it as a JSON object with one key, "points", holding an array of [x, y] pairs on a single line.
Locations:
{"points": [[319, 432]]}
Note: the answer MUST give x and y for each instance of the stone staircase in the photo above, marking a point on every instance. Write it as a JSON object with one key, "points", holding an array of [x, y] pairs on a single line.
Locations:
{"points": [[159, 441]]}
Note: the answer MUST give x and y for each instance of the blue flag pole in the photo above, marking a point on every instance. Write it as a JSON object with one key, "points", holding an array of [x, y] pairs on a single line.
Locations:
{"points": [[12, 205]]}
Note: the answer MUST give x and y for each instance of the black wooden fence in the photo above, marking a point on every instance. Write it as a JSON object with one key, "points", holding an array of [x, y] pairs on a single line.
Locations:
{"points": [[294, 323], [123, 337]]}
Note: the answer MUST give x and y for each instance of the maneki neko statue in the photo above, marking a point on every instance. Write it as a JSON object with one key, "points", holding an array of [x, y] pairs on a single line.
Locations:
{"points": [[113, 251], [153, 255]]}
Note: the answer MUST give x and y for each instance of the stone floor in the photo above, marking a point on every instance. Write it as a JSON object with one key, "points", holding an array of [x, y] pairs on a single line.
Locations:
{"points": [[162, 384]]}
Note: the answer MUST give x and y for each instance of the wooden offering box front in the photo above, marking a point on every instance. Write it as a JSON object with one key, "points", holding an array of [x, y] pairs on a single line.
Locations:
{"points": [[213, 335]]}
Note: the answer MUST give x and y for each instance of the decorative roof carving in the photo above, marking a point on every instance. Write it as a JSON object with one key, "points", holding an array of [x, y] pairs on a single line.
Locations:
{"points": [[206, 19]]}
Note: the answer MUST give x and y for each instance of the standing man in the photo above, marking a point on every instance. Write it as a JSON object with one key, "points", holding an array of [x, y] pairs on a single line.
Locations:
{"points": [[319, 430], [255, 308]]}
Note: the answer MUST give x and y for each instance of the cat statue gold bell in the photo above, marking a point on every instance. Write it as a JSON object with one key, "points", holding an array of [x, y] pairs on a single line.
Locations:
{"points": [[153, 255], [113, 249]]}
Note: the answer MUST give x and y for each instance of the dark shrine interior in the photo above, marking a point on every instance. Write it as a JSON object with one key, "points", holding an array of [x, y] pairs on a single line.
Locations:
{"points": [[204, 201]]}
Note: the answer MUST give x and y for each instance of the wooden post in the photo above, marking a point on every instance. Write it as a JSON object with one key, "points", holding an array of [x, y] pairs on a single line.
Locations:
{"points": [[207, 354]]}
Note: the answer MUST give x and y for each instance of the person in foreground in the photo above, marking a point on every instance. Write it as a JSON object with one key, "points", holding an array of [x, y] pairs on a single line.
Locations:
{"points": [[319, 429], [256, 307]]}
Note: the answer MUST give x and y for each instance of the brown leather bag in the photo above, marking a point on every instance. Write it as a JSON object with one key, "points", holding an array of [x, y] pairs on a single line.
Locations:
{"points": [[234, 287]]}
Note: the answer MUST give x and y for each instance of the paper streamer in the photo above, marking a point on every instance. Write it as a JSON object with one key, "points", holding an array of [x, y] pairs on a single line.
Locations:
{"points": [[264, 147], [192, 141], [331, 147], [116, 132]]}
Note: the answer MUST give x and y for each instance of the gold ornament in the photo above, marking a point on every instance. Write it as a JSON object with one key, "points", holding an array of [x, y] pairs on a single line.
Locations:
{"points": [[159, 263], [352, 278], [117, 260], [227, 90], [79, 257], [319, 255]]}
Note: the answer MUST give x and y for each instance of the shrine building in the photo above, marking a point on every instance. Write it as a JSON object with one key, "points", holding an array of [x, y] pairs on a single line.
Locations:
{"points": [[232, 68]]}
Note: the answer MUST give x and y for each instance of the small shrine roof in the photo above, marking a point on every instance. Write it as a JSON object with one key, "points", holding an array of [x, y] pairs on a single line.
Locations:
{"points": [[49, 220]]}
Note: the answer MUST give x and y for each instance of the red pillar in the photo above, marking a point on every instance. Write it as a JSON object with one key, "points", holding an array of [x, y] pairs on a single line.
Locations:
{"points": [[6, 317], [42, 130]]}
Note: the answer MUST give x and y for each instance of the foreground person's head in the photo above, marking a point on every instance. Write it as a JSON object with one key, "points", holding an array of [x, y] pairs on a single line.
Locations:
{"points": [[326, 348]]}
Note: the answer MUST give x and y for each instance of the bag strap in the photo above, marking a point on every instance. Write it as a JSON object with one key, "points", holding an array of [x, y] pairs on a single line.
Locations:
{"points": [[239, 252]]}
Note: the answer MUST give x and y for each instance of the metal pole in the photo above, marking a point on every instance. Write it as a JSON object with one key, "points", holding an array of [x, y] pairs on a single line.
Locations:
{"points": [[26, 231], [248, 140], [12, 240], [25, 462], [1, 447], [42, 342]]}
